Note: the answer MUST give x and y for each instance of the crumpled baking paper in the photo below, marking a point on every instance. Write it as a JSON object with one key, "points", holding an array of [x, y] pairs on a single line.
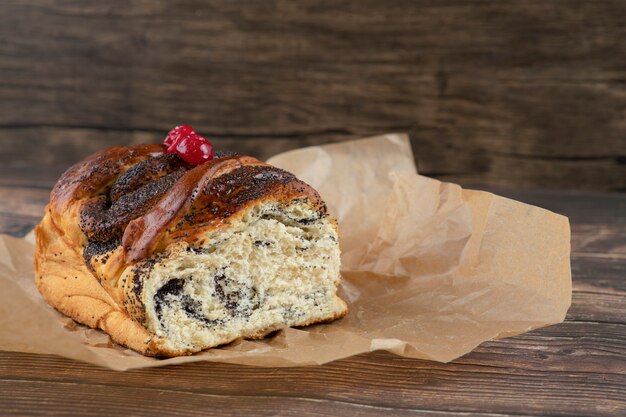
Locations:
{"points": [[430, 270]]}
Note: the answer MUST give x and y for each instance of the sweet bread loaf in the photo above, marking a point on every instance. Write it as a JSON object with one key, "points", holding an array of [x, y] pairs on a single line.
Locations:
{"points": [[170, 258]]}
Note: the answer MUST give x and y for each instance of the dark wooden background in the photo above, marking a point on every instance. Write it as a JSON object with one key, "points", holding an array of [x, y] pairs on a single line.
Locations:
{"points": [[503, 95], [513, 93]]}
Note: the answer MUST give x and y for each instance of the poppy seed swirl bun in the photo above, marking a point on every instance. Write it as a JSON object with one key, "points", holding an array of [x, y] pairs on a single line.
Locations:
{"points": [[170, 258]]}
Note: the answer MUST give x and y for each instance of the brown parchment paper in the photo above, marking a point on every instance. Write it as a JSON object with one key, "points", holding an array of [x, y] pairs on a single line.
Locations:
{"points": [[430, 270]]}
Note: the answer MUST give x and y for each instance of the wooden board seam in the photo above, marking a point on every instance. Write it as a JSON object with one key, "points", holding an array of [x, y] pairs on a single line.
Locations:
{"points": [[273, 396]]}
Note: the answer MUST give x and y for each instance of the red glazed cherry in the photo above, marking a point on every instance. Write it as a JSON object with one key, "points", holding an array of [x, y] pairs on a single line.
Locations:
{"points": [[175, 136], [191, 147], [195, 149]]}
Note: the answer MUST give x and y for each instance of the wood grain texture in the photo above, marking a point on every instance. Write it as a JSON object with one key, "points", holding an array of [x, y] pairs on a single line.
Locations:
{"points": [[577, 368], [497, 379], [525, 93], [493, 94]]}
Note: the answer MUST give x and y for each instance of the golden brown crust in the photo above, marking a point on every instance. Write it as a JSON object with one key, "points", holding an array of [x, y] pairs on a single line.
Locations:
{"points": [[65, 283], [113, 210]]}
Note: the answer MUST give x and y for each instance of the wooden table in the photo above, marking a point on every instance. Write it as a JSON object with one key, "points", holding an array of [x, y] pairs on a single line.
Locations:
{"points": [[575, 368], [508, 93]]}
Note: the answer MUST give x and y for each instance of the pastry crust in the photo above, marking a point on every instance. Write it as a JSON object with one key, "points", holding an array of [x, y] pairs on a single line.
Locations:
{"points": [[103, 288], [66, 283]]}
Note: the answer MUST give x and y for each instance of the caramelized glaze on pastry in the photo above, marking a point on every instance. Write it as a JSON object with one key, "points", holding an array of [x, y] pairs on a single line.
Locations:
{"points": [[170, 258]]}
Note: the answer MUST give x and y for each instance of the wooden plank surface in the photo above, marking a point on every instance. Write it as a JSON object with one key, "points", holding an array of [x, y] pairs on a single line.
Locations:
{"points": [[522, 93], [577, 368], [494, 94]]}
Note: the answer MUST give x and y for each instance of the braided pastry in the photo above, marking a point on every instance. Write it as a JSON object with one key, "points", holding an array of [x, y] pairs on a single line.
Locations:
{"points": [[170, 258]]}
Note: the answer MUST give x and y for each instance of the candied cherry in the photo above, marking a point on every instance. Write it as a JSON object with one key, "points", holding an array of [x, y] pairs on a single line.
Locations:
{"points": [[175, 135], [195, 149], [191, 147]]}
